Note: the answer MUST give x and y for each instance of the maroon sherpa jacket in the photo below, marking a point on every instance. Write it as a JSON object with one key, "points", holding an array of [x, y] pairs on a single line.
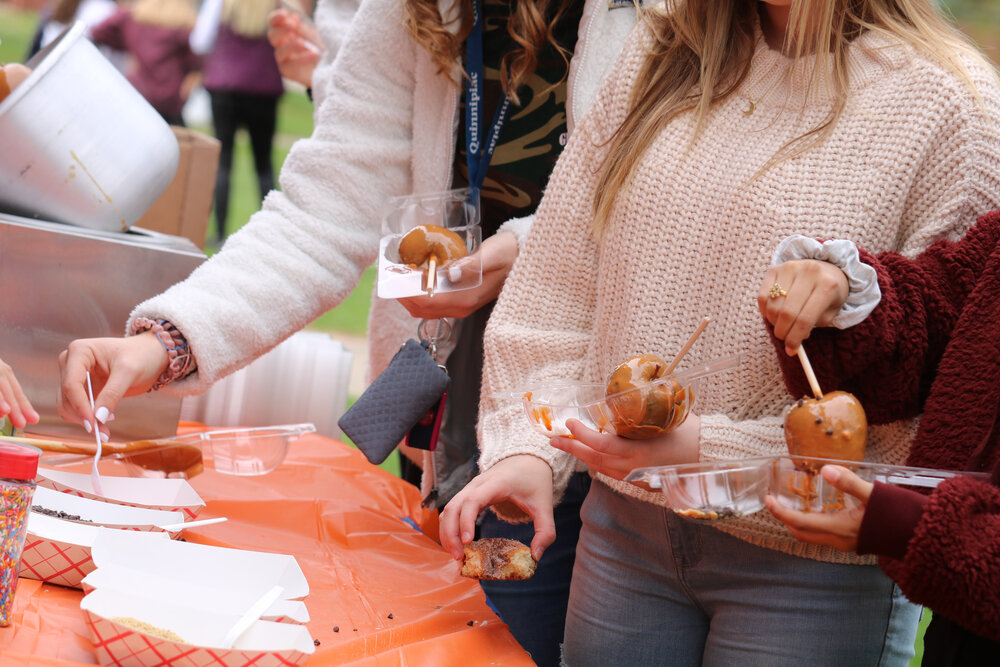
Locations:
{"points": [[931, 345]]}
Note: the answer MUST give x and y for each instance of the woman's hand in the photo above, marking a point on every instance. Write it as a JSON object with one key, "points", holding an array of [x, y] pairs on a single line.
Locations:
{"points": [[498, 254], [297, 45], [616, 457], [815, 291], [13, 403], [524, 480], [835, 529], [118, 367]]}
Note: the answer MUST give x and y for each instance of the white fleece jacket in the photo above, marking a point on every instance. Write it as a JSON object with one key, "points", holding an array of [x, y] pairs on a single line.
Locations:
{"points": [[385, 125]]}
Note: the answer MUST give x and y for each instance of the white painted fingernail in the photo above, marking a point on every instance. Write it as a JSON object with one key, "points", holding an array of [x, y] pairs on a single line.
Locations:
{"points": [[454, 273], [111, 417], [87, 427], [105, 437], [102, 414]]}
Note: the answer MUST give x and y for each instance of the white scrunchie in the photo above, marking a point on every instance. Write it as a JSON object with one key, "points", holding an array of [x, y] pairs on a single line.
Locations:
{"points": [[861, 278]]}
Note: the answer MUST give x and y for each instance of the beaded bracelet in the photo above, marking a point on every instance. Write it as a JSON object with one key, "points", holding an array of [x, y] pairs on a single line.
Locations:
{"points": [[180, 361]]}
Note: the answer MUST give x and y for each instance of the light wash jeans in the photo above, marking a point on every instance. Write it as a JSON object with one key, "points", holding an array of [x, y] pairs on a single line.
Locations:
{"points": [[652, 588]]}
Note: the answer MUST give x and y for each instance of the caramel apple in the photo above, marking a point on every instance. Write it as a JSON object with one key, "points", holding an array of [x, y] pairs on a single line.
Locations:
{"points": [[645, 409], [430, 247], [425, 242], [831, 427]]}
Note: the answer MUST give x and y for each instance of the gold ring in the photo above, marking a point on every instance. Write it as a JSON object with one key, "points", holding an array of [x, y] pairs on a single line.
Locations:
{"points": [[776, 291]]}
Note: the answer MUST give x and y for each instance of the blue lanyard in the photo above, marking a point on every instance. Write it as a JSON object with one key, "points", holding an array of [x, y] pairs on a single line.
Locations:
{"points": [[478, 156]]}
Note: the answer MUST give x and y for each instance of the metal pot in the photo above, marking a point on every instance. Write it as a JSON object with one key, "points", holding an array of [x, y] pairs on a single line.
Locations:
{"points": [[79, 144]]}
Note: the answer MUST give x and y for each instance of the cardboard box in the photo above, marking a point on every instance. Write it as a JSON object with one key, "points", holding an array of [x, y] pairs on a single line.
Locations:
{"points": [[184, 207]]}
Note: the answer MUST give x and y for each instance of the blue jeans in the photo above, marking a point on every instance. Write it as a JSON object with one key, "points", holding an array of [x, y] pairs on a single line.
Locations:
{"points": [[653, 588], [535, 609]]}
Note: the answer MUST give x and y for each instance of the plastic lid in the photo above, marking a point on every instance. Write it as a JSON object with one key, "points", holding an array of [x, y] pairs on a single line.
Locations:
{"points": [[18, 461]]}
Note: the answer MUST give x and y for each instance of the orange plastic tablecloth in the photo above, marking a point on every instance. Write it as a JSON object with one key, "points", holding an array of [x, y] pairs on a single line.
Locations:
{"points": [[351, 527]]}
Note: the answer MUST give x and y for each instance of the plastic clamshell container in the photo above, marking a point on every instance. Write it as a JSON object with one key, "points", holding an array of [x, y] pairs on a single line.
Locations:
{"points": [[202, 629], [100, 513], [794, 486], [80, 144], [158, 494], [550, 405], [710, 491], [61, 552], [252, 572], [732, 489], [450, 209], [238, 451]]}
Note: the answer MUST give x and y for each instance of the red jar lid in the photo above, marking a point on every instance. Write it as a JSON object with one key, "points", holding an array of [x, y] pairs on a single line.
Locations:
{"points": [[18, 461]]}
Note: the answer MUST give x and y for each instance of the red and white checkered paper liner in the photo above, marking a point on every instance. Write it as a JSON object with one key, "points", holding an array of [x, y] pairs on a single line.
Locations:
{"points": [[122, 646], [55, 562], [59, 552], [148, 493]]}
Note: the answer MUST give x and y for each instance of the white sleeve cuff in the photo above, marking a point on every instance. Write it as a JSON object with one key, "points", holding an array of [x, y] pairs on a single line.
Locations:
{"points": [[861, 278], [519, 227]]}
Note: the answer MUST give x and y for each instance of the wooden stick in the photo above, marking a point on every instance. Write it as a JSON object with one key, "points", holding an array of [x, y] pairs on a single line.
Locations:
{"points": [[431, 274], [807, 367], [687, 346], [90, 447]]}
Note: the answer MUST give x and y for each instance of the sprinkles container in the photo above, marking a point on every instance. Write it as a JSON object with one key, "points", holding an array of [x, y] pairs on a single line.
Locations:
{"points": [[18, 464]]}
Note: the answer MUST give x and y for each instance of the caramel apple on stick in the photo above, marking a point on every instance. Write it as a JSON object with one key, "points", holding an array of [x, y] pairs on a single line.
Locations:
{"points": [[829, 426], [431, 247]]}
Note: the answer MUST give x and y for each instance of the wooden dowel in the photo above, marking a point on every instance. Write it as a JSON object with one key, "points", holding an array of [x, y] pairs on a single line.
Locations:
{"points": [[810, 376], [687, 346], [431, 275]]}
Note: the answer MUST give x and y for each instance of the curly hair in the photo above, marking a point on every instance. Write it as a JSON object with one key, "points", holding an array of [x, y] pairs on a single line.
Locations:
{"points": [[531, 26]]}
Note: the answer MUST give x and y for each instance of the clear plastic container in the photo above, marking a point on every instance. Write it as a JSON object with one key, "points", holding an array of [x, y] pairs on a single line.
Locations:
{"points": [[795, 485], [732, 489], [710, 491], [18, 466], [452, 210], [239, 451], [550, 406]]}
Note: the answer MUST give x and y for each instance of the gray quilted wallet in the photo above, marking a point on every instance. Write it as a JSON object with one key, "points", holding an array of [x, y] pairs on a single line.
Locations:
{"points": [[403, 393]]}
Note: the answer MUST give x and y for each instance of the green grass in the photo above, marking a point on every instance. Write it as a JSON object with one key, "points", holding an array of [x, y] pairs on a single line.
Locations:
{"points": [[16, 30]]}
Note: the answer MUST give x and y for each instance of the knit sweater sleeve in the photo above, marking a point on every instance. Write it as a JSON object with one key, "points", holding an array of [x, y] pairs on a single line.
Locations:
{"points": [[304, 251], [952, 562], [542, 323], [889, 360]]}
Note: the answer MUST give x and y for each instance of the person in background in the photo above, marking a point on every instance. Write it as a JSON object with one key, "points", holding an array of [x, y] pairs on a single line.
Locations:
{"points": [[722, 126], [243, 81], [66, 12], [161, 65], [929, 345], [389, 122], [297, 42]]}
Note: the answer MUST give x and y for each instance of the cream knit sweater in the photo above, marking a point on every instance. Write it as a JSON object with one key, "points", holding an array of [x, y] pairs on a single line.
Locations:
{"points": [[913, 158]]}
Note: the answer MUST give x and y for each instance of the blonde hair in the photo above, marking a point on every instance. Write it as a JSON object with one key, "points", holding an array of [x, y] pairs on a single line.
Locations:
{"points": [[247, 17], [165, 13], [531, 25], [702, 53]]}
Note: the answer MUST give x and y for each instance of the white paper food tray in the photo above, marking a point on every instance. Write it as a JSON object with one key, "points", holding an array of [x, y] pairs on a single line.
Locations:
{"points": [[264, 644], [253, 571], [60, 552], [159, 494], [110, 515], [199, 588]]}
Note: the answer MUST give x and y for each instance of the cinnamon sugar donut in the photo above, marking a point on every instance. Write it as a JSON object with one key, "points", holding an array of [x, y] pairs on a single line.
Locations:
{"points": [[497, 558]]}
